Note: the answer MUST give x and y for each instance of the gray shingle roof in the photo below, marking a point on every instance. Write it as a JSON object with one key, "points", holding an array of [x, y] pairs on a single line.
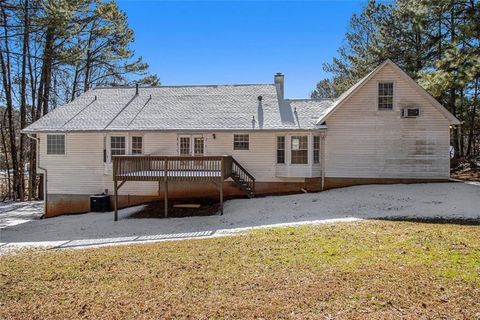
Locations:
{"points": [[216, 107]]}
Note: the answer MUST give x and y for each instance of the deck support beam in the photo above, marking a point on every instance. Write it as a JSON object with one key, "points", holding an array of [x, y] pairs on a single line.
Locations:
{"points": [[222, 172], [165, 200], [165, 192], [116, 187], [115, 200]]}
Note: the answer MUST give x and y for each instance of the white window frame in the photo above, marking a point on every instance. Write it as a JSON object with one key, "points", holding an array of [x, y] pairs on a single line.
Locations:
{"points": [[285, 152], [64, 144], [240, 134], [377, 96], [109, 144], [291, 148]]}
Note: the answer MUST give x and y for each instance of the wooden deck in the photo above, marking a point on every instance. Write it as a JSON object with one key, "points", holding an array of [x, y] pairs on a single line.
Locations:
{"points": [[163, 169]]}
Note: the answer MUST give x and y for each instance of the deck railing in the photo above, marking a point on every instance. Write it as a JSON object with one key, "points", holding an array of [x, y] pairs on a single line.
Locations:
{"points": [[155, 168]]}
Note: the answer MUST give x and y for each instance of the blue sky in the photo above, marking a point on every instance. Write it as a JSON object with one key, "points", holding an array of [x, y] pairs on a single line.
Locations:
{"points": [[224, 42]]}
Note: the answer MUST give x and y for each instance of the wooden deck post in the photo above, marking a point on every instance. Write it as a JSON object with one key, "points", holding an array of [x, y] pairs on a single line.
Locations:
{"points": [[165, 177], [222, 171], [115, 199]]}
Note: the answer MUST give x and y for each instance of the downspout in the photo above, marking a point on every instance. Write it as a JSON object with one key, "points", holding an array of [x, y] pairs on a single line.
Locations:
{"points": [[45, 193], [322, 154]]}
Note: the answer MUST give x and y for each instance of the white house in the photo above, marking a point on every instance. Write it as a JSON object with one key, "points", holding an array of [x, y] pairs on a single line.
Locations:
{"points": [[385, 129]]}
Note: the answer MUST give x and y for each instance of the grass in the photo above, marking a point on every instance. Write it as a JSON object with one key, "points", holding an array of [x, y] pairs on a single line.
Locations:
{"points": [[367, 270]]}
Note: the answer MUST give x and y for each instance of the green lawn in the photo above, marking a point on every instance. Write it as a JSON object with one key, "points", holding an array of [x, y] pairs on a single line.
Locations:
{"points": [[371, 270]]}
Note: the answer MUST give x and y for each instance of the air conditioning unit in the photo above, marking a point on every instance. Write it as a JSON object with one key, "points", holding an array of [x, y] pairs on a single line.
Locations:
{"points": [[410, 112]]}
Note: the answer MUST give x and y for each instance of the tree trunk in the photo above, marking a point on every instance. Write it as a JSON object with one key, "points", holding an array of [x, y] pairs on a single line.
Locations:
{"points": [[45, 78], [5, 152], [75, 82], [23, 102], [452, 91], [472, 119], [5, 67], [88, 62], [32, 174]]}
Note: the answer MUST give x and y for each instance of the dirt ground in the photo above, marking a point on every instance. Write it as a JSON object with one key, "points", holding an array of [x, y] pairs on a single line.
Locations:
{"points": [[155, 209]]}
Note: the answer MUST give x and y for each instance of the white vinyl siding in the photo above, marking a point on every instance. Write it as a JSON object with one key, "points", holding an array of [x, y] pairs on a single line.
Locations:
{"points": [[80, 170], [363, 142]]}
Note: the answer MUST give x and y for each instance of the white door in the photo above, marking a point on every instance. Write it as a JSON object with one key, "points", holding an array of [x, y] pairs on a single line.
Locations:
{"points": [[184, 146], [191, 145], [198, 146]]}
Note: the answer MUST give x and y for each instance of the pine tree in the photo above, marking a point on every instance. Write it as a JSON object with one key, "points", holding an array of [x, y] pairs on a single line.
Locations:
{"points": [[325, 90]]}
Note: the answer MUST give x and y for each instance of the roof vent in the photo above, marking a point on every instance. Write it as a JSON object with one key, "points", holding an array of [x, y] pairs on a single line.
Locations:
{"points": [[136, 88], [259, 98]]}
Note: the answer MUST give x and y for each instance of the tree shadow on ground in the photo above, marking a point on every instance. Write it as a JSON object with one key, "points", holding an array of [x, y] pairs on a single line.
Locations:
{"points": [[434, 220]]}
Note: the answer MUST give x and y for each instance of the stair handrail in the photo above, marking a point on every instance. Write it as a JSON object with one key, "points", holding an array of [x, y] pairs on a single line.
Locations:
{"points": [[242, 173], [242, 168]]}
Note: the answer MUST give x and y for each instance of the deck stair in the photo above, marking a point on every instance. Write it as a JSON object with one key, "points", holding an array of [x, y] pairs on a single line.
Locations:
{"points": [[243, 179]]}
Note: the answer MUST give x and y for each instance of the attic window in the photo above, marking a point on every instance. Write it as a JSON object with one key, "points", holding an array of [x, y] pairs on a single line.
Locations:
{"points": [[385, 95]]}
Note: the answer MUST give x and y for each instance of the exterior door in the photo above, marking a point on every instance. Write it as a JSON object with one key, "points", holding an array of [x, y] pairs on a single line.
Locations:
{"points": [[184, 146], [198, 146], [191, 145]]}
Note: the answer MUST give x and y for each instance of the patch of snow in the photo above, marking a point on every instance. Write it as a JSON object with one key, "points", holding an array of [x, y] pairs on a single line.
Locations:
{"points": [[14, 213], [445, 200]]}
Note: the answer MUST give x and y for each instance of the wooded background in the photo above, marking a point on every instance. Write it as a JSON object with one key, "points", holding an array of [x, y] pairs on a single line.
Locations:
{"points": [[436, 42], [51, 51]]}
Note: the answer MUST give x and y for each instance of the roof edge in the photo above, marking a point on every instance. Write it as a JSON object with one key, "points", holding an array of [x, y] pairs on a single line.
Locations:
{"points": [[184, 86], [317, 127]]}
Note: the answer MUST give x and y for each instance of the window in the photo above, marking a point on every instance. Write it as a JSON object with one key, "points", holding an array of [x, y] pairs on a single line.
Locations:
{"points": [[385, 95], [280, 149], [240, 142], [184, 146], [299, 150], [316, 149], [55, 144], [137, 145], [117, 146]]}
